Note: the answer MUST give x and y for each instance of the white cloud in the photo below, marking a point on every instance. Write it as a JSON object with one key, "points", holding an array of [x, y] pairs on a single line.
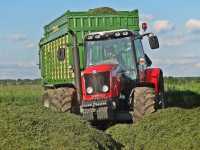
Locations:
{"points": [[146, 17], [178, 65], [19, 73], [177, 61], [26, 64], [17, 37], [20, 39], [176, 40], [163, 26], [19, 70], [29, 45], [193, 25], [197, 65]]}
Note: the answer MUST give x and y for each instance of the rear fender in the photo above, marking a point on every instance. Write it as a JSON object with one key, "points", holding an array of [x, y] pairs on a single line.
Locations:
{"points": [[152, 76]]}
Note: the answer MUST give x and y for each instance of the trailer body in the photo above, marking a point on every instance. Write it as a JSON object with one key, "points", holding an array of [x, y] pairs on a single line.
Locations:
{"points": [[55, 53]]}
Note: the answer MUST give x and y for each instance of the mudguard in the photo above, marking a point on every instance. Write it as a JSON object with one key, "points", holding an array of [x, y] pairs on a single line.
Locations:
{"points": [[152, 76]]}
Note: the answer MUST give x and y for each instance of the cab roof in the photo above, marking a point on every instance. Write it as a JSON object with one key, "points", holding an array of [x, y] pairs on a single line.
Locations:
{"points": [[109, 34]]}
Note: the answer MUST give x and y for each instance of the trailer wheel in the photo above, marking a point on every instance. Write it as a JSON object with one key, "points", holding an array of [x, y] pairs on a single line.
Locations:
{"points": [[144, 102], [61, 99]]}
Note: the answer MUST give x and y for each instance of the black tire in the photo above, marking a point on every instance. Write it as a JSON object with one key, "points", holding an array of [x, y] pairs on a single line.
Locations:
{"points": [[160, 98], [61, 99], [144, 102]]}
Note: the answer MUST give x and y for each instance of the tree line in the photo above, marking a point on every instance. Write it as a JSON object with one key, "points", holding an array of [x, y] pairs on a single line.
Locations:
{"points": [[39, 81], [20, 81]]}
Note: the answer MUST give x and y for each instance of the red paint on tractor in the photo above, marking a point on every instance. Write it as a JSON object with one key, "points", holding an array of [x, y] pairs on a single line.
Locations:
{"points": [[114, 90], [99, 68], [152, 76]]}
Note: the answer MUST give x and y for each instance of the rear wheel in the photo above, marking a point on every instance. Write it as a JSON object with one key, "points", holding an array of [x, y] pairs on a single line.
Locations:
{"points": [[144, 102], [61, 99]]}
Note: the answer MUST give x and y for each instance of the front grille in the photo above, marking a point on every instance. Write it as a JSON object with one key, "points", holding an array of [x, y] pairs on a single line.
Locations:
{"points": [[95, 103], [97, 81]]}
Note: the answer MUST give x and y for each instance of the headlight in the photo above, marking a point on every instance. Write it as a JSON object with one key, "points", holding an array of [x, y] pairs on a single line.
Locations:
{"points": [[89, 90], [105, 88]]}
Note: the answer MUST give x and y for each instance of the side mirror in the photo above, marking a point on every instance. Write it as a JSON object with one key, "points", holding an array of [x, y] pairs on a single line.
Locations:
{"points": [[153, 41]]}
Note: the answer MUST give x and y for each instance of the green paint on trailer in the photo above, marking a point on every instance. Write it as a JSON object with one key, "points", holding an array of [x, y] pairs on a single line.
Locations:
{"points": [[55, 71]]}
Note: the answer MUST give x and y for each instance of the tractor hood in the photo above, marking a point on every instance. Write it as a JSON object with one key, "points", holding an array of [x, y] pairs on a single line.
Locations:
{"points": [[99, 68], [95, 78]]}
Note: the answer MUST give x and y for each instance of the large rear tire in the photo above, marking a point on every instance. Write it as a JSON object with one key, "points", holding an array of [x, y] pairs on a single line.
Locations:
{"points": [[61, 99], [161, 102], [144, 102]]}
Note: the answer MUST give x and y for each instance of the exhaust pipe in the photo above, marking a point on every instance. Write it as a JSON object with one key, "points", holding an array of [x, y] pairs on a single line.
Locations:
{"points": [[76, 64]]}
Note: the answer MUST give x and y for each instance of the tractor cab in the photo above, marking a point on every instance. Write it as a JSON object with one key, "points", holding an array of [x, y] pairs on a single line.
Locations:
{"points": [[112, 48], [115, 63]]}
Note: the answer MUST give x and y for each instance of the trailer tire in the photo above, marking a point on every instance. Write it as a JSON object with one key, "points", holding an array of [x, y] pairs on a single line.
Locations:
{"points": [[144, 102], [61, 99]]}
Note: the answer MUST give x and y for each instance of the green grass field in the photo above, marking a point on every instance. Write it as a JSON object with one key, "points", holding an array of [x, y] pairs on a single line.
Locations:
{"points": [[174, 128], [183, 92], [25, 124]]}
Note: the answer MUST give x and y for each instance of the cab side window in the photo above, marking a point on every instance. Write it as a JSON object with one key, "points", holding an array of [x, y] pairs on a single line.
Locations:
{"points": [[139, 49]]}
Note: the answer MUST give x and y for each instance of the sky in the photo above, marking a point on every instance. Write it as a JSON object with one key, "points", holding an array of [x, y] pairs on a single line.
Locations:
{"points": [[176, 22]]}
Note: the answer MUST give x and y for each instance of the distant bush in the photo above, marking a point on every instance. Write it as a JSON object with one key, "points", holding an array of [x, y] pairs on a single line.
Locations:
{"points": [[20, 82], [183, 92]]}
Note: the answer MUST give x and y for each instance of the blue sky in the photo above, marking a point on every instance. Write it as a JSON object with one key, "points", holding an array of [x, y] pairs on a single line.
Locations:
{"points": [[176, 22]]}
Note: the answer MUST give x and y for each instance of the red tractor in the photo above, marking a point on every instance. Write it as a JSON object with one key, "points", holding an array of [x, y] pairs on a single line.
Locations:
{"points": [[117, 83]]}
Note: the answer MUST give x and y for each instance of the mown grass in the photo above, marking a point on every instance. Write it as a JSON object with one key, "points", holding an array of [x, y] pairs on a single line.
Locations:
{"points": [[170, 129], [25, 124], [174, 128]]}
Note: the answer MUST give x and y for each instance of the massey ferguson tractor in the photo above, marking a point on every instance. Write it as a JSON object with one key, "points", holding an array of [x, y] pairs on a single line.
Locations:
{"points": [[94, 64]]}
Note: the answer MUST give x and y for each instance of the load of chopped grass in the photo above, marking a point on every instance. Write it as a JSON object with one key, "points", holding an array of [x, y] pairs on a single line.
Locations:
{"points": [[172, 128], [102, 10], [25, 124]]}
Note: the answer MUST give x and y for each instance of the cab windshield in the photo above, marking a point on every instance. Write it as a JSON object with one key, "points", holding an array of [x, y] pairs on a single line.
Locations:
{"points": [[111, 51]]}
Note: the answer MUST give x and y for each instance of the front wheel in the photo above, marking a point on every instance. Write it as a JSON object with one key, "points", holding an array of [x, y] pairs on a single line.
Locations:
{"points": [[144, 102]]}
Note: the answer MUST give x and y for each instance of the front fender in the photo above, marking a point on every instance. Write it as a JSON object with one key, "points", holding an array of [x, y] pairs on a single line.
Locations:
{"points": [[152, 76]]}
